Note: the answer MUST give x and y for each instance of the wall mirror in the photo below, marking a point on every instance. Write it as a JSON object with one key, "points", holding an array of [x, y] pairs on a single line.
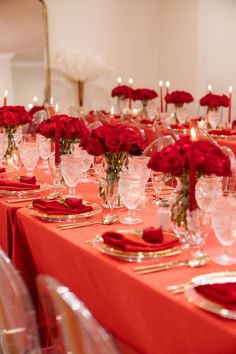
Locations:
{"points": [[24, 52]]}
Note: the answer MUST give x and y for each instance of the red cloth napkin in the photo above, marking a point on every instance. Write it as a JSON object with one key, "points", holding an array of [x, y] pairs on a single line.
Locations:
{"points": [[222, 132], [2, 169], [15, 185], [132, 243], [223, 294], [27, 179], [147, 121], [55, 207]]}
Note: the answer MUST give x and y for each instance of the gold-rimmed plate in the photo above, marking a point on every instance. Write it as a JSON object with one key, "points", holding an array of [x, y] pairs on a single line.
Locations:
{"points": [[208, 305], [25, 193], [69, 217], [135, 256]]}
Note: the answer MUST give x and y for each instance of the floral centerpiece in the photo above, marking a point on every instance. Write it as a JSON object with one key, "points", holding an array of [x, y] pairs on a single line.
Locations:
{"points": [[72, 130], [144, 95], [11, 117], [179, 98], [123, 93], [115, 143], [188, 160], [213, 101]]}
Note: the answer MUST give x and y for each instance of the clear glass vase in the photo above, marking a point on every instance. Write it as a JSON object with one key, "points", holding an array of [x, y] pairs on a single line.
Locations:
{"points": [[12, 155]]}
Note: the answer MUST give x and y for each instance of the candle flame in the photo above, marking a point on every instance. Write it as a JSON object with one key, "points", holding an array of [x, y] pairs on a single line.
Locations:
{"points": [[35, 99], [193, 133], [6, 93], [51, 100], [112, 110], [131, 81], [209, 87], [135, 111], [167, 83], [56, 107], [230, 89], [161, 83], [119, 80], [30, 105]]}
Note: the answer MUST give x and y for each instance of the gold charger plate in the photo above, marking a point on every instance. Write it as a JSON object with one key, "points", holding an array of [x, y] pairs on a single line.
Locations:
{"points": [[200, 301], [26, 193], [135, 256], [69, 217]]}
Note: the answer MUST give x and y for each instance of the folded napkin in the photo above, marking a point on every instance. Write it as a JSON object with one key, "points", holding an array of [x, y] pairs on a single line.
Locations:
{"points": [[2, 169], [228, 132], [15, 185], [132, 243], [223, 294], [64, 207], [27, 179], [146, 121]]}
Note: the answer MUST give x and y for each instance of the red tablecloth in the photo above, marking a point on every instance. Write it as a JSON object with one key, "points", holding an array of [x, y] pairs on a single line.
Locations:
{"points": [[136, 309]]}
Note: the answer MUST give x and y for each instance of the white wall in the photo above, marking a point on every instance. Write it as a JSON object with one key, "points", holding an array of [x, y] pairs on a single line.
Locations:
{"points": [[124, 32], [28, 80]]}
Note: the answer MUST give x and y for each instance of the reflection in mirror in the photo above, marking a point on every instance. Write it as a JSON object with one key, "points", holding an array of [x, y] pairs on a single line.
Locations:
{"points": [[22, 51]]}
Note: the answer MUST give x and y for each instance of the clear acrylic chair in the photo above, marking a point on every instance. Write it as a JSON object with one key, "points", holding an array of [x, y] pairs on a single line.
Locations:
{"points": [[72, 327], [18, 329], [230, 182], [158, 144]]}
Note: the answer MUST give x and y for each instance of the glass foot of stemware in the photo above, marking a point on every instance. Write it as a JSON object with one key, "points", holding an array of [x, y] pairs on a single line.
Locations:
{"points": [[130, 220], [224, 259]]}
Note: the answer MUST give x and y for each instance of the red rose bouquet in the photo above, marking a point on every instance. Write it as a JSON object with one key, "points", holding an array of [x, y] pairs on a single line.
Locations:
{"points": [[115, 142], [123, 92], [72, 130], [213, 101], [144, 95], [11, 117], [178, 98], [179, 158]]}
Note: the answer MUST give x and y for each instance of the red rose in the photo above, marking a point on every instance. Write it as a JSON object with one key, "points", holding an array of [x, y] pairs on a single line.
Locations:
{"points": [[178, 97], [123, 91], [94, 147], [213, 100], [114, 143], [36, 109], [153, 235], [14, 116], [144, 94], [73, 202]]}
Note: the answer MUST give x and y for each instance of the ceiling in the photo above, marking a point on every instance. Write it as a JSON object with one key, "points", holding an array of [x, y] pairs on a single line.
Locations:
{"points": [[21, 28]]}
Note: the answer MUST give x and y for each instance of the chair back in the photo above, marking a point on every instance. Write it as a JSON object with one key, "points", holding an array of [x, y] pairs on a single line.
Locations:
{"points": [[72, 327], [229, 184], [18, 329], [158, 144]]}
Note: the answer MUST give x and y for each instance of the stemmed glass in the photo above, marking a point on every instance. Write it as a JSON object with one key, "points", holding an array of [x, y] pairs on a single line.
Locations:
{"points": [[3, 145], [44, 151], [99, 167], [158, 183], [224, 226], [110, 193], [86, 162], [29, 154], [71, 170], [131, 188]]}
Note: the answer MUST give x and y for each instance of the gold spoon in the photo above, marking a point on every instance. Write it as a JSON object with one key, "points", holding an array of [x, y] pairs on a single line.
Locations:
{"points": [[107, 220]]}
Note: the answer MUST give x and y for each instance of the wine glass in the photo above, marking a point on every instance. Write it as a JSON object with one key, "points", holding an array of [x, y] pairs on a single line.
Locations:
{"points": [[29, 154], [131, 188], [44, 151], [71, 170], [214, 118], [86, 162], [224, 225], [158, 183], [99, 167], [3, 145]]}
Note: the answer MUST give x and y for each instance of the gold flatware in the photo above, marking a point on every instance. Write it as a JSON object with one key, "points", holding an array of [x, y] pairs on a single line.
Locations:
{"points": [[108, 219], [194, 262]]}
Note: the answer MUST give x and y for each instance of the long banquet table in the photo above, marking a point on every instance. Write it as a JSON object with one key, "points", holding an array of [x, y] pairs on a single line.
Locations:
{"points": [[136, 309]]}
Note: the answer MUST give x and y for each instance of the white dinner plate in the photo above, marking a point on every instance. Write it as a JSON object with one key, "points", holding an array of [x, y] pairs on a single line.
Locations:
{"points": [[200, 301]]}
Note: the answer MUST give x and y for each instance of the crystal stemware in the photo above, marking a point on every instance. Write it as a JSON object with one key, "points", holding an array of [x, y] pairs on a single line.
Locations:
{"points": [[71, 170], [44, 151], [224, 226], [3, 145], [131, 188], [158, 183], [29, 154]]}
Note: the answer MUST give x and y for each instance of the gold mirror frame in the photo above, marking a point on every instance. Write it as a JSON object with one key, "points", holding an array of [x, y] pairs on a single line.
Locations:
{"points": [[47, 53]]}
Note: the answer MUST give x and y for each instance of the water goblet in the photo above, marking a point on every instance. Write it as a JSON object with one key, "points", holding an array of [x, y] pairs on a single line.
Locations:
{"points": [[29, 154], [131, 188], [3, 145], [158, 183], [44, 151], [224, 226], [71, 170]]}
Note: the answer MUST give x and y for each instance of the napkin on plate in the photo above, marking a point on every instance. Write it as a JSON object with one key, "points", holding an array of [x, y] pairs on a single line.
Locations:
{"points": [[55, 207], [131, 242], [2, 169], [223, 294], [15, 185]]}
